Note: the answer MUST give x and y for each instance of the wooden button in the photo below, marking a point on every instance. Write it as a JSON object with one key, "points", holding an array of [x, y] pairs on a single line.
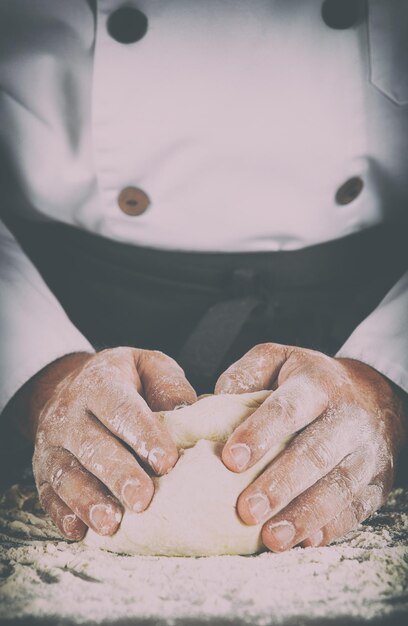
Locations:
{"points": [[127, 25], [342, 14], [349, 190], [133, 201]]}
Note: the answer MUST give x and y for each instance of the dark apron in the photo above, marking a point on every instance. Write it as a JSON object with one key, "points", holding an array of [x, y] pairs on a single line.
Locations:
{"points": [[207, 309]]}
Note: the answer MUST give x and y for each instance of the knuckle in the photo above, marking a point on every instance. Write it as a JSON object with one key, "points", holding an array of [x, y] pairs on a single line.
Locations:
{"points": [[40, 439], [222, 384], [280, 490], [87, 451], [320, 456], [234, 380], [269, 349], [231, 370], [118, 352], [57, 477], [304, 510], [160, 356], [345, 483], [63, 473], [261, 348], [149, 360], [94, 452], [104, 367], [318, 361], [283, 405], [38, 458]]}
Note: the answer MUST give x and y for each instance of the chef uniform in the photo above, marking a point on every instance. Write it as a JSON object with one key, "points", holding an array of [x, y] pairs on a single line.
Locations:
{"points": [[198, 177]]}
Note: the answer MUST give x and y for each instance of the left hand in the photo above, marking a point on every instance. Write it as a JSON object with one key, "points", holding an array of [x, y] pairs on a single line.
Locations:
{"points": [[339, 469]]}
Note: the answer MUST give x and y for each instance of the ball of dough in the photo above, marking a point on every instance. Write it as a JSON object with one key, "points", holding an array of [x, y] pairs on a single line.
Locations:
{"points": [[193, 511]]}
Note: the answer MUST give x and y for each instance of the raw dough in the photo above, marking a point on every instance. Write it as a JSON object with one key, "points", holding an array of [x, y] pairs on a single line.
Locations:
{"points": [[193, 511]]}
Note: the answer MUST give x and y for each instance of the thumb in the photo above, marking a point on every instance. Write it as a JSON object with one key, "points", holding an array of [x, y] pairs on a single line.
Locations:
{"points": [[164, 383]]}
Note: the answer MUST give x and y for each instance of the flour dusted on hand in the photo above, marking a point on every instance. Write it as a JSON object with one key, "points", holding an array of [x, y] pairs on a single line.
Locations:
{"points": [[193, 511]]}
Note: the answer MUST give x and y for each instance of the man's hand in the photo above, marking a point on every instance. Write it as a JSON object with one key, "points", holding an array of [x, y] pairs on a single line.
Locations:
{"points": [[91, 416], [339, 468]]}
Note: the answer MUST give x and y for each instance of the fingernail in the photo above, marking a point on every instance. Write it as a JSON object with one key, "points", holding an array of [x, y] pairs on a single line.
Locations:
{"points": [[316, 539], [103, 518], [69, 524], [259, 507], [131, 495], [282, 534], [155, 459], [241, 454]]}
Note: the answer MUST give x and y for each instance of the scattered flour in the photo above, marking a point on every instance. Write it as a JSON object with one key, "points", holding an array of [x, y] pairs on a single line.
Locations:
{"points": [[43, 577]]}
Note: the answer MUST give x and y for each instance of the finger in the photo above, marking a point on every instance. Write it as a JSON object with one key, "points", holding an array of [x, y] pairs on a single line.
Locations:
{"points": [[106, 457], [318, 505], [296, 403], [255, 371], [364, 505], [164, 383], [81, 492], [125, 413], [309, 457], [63, 517]]}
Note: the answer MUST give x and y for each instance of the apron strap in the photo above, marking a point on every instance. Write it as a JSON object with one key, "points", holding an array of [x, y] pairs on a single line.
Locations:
{"points": [[205, 349]]}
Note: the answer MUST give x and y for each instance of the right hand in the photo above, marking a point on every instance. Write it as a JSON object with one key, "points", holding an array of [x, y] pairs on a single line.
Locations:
{"points": [[90, 426]]}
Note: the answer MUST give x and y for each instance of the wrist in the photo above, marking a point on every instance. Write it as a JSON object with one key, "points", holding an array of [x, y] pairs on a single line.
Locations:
{"points": [[26, 405]]}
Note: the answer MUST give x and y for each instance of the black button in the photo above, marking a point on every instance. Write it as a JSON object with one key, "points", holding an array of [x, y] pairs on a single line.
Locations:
{"points": [[341, 14], [349, 190], [127, 25]]}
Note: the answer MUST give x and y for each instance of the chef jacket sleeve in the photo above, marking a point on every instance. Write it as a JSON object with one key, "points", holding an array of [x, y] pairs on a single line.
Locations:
{"points": [[381, 340], [34, 328]]}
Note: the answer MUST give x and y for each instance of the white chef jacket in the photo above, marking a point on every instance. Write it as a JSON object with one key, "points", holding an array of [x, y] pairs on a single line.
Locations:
{"points": [[239, 119]]}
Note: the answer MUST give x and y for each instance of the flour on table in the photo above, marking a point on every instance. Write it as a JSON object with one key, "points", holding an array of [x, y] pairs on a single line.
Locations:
{"points": [[45, 579], [193, 511]]}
